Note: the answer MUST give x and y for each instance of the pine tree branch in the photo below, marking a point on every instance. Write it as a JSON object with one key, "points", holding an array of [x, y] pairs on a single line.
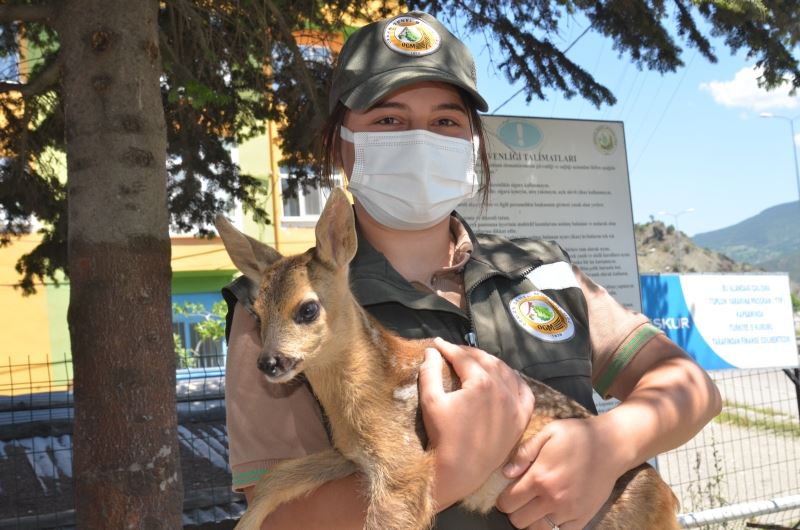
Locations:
{"points": [[170, 54], [26, 13], [693, 34], [302, 69], [44, 80]]}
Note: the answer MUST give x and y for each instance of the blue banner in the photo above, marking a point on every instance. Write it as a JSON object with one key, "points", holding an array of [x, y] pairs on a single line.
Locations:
{"points": [[724, 320]]}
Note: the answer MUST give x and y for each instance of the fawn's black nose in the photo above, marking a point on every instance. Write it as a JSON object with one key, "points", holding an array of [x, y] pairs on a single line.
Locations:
{"points": [[269, 365], [275, 365]]}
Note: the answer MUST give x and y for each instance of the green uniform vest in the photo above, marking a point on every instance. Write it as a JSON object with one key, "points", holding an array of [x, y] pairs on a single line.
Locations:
{"points": [[496, 280]]}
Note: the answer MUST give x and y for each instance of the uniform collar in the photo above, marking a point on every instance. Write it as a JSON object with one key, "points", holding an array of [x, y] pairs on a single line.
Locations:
{"points": [[494, 256], [374, 280]]}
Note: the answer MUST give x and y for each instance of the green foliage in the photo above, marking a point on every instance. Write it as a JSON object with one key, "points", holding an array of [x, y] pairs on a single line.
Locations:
{"points": [[706, 492], [210, 327], [231, 65], [795, 303], [185, 356], [787, 427], [212, 323]]}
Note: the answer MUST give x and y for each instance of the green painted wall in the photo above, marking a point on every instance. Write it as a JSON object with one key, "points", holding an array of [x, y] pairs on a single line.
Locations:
{"points": [[200, 281], [254, 159], [60, 352], [58, 302]]}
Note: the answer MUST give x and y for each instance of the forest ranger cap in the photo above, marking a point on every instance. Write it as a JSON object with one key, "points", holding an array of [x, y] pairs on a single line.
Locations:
{"points": [[389, 54]]}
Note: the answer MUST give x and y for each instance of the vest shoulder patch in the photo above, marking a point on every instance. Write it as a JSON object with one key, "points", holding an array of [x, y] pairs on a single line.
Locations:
{"points": [[557, 275]]}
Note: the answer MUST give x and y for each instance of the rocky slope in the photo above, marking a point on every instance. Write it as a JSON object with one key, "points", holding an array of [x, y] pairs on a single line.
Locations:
{"points": [[660, 248]]}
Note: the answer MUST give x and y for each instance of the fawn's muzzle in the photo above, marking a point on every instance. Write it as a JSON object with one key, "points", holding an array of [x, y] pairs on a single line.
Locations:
{"points": [[275, 365]]}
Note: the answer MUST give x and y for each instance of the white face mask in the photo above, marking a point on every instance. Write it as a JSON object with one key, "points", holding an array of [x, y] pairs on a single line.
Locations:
{"points": [[410, 180]]}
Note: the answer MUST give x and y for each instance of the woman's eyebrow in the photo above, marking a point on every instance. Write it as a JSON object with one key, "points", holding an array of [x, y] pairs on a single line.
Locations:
{"points": [[451, 106]]}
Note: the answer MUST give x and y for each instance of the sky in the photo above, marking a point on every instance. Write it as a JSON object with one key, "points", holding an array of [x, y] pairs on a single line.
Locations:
{"points": [[694, 138]]}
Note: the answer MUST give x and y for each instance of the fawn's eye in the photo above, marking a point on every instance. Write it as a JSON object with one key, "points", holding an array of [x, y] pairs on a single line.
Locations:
{"points": [[308, 312]]}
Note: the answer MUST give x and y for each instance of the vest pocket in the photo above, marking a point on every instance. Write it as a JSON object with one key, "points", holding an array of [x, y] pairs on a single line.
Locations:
{"points": [[559, 369]]}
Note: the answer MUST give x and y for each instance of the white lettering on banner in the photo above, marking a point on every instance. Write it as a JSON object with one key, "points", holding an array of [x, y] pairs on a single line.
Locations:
{"points": [[745, 319], [750, 314], [671, 323]]}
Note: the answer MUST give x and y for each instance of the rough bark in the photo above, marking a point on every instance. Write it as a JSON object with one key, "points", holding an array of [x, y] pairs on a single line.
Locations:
{"points": [[126, 458]]}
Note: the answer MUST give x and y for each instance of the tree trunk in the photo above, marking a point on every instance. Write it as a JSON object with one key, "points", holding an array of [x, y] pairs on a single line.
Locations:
{"points": [[126, 458]]}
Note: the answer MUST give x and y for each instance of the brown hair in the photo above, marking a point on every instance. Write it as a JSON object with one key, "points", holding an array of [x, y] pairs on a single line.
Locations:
{"points": [[330, 155]]}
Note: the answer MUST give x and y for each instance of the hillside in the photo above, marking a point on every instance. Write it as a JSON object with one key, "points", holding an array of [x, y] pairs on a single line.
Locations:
{"points": [[769, 240], [661, 248]]}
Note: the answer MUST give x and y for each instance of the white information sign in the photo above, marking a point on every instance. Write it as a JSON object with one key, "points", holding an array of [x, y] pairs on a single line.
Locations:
{"points": [[565, 180]]}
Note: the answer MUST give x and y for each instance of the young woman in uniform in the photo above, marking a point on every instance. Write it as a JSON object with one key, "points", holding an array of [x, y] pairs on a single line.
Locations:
{"points": [[404, 128]]}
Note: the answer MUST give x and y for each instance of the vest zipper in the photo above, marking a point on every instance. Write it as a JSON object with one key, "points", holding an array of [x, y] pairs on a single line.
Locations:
{"points": [[471, 337]]}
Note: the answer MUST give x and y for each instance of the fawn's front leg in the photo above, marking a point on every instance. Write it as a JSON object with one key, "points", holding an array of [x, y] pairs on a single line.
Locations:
{"points": [[292, 479], [401, 494]]}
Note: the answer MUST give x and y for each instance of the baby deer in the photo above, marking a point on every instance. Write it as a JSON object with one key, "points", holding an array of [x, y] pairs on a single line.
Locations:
{"points": [[310, 323]]}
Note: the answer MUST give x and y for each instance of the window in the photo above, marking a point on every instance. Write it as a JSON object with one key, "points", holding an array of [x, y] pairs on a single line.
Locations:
{"points": [[302, 204], [198, 325], [8, 69], [317, 53], [9, 66]]}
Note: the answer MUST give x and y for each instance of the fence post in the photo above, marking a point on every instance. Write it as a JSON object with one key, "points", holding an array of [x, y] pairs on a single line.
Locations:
{"points": [[794, 375]]}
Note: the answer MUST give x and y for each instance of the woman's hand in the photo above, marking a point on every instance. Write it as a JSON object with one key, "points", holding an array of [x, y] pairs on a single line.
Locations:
{"points": [[566, 473], [473, 429]]}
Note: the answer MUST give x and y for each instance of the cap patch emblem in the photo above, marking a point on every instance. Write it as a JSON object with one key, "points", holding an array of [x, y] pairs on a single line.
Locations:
{"points": [[411, 36], [540, 316]]}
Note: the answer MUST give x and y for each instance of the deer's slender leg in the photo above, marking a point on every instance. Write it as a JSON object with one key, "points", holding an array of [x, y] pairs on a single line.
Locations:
{"points": [[292, 479]]}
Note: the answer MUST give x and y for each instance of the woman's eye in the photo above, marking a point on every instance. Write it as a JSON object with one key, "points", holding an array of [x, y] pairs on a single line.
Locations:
{"points": [[307, 313], [388, 120], [446, 122]]}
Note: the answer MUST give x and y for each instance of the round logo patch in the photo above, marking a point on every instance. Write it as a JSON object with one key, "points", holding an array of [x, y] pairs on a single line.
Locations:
{"points": [[411, 36], [537, 314], [605, 140]]}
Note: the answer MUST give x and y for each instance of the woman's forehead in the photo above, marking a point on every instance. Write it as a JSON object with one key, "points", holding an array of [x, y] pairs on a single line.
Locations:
{"points": [[430, 88], [423, 96]]}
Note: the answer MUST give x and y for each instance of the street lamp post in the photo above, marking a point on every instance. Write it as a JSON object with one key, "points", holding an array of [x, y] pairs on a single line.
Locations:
{"points": [[794, 148], [677, 235], [794, 373]]}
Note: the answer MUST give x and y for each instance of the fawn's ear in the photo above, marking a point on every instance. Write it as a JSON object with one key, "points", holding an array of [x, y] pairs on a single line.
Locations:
{"points": [[251, 257], [336, 231]]}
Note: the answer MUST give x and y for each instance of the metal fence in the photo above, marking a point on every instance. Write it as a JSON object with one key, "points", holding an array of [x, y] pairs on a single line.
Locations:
{"points": [[748, 455], [36, 476], [747, 461]]}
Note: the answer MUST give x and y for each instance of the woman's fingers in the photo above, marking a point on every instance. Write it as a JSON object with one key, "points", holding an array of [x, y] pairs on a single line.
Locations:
{"points": [[466, 362], [522, 458], [430, 375], [467, 356], [476, 367], [558, 477], [486, 373], [473, 428]]}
